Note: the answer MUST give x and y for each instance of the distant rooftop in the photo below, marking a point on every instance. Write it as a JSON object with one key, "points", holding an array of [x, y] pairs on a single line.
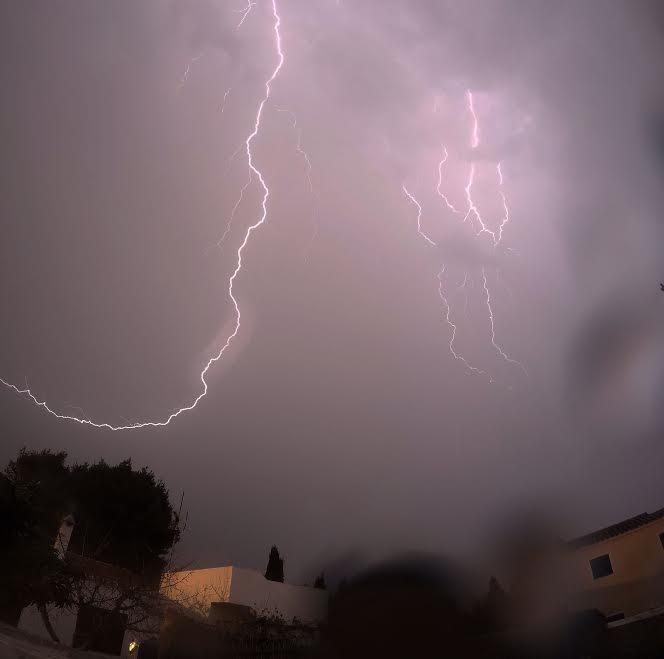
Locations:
{"points": [[616, 529]]}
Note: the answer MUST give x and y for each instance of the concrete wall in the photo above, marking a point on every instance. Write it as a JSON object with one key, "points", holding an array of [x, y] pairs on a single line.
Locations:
{"points": [[63, 622], [199, 588], [637, 582], [251, 588]]}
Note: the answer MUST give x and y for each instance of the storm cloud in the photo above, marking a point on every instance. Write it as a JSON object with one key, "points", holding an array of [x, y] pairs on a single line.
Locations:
{"points": [[339, 423]]}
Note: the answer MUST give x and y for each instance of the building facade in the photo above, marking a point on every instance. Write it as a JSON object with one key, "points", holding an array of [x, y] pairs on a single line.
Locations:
{"points": [[619, 570], [199, 590]]}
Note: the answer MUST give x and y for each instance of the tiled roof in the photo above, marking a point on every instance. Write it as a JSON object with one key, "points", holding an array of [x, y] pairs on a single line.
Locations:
{"points": [[616, 529], [90, 567]]}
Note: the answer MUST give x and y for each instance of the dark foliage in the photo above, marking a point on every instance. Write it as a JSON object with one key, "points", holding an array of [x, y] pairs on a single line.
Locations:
{"points": [[275, 566], [30, 572], [123, 516], [44, 473]]}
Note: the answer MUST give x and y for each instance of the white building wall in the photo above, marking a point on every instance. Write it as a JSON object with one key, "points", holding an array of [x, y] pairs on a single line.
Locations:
{"points": [[62, 621], [251, 588], [197, 589]]}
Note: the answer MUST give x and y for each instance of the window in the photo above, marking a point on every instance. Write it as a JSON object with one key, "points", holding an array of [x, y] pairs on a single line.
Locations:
{"points": [[614, 617], [661, 539], [601, 566]]}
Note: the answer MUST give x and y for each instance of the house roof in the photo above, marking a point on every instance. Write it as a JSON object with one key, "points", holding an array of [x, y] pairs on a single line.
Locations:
{"points": [[615, 529], [90, 567]]}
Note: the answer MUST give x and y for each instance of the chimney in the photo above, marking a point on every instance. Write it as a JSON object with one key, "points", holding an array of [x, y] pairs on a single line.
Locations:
{"points": [[64, 536]]}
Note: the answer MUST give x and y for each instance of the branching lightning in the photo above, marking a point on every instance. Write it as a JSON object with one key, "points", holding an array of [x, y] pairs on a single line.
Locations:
{"points": [[255, 172], [453, 327], [245, 11], [307, 170], [472, 211], [443, 160], [231, 217], [475, 137], [466, 279], [472, 208], [185, 75], [500, 351], [223, 102], [419, 215], [298, 146], [506, 210], [441, 292]]}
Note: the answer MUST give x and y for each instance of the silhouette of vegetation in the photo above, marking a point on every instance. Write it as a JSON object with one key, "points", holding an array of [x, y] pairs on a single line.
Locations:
{"points": [[123, 516], [123, 535], [275, 566], [320, 582], [30, 572]]}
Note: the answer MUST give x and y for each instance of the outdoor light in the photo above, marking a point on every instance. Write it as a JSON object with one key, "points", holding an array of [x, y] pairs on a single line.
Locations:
{"points": [[133, 646]]}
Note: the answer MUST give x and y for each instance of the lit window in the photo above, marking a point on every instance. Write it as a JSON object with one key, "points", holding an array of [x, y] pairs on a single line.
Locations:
{"points": [[601, 566], [133, 646]]}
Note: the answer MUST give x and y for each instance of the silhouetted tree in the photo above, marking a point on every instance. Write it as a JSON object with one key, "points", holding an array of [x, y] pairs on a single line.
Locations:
{"points": [[30, 571], [123, 517], [275, 566], [320, 581], [46, 477]]}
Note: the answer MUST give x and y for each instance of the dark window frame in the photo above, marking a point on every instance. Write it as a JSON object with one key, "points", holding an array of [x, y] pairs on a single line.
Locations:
{"points": [[601, 566]]}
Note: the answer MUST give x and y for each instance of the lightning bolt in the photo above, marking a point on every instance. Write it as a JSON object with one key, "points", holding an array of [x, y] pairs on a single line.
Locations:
{"points": [[441, 292], [500, 351], [245, 11], [472, 208], [465, 293], [231, 217], [440, 182], [232, 158], [308, 170], [506, 210], [453, 327], [496, 236], [223, 102], [475, 137], [231, 282], [419, 215], [185, 75], [298, 146]]}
